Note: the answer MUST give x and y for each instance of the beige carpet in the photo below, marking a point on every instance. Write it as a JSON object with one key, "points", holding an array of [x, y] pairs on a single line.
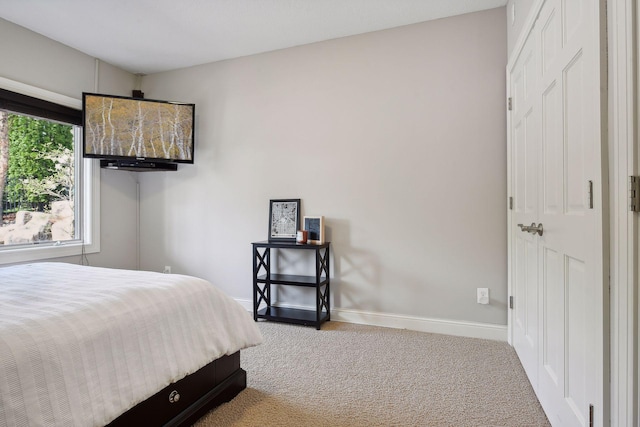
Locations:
{"points": [[352, 375]]}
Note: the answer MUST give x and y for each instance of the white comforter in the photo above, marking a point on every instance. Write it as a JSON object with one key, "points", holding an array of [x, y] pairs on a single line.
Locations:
{"points": [[81, 345]]}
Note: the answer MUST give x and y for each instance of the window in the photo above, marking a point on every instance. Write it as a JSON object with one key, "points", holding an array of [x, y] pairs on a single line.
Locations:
{"points": [[49, 192]]}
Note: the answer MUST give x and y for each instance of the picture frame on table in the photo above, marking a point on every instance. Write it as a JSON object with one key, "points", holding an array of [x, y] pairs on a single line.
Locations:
{"points": [[284, 219], [314, 225]]}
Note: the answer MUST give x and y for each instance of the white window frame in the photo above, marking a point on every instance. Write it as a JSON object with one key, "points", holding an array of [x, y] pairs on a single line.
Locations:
{"points": [[89, 186]]}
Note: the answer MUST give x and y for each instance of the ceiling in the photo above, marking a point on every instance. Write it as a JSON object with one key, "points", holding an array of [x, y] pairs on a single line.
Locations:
{"points": [[149, 36]]}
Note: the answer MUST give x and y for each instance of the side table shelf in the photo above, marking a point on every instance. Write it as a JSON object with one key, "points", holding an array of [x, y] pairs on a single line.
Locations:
{"points": [[264, 277]]}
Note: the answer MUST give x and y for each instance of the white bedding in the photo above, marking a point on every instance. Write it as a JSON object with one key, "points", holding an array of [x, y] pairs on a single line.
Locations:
{"points": [[61, 366]]}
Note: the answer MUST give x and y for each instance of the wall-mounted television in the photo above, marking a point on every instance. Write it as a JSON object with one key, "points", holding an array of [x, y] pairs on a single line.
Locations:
{"points": [[137, 133]]}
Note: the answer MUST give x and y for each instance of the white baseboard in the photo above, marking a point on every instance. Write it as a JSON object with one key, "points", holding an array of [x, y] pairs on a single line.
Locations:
{"points": [[413, 323], [422, 324], [246, 303]]}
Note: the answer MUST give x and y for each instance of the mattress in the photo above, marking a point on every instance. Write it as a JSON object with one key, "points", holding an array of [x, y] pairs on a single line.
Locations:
{"points": [[81, 345]]}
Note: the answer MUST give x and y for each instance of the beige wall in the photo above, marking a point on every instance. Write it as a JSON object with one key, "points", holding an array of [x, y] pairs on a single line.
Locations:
{"points": [[397, 137], [35, 60]]}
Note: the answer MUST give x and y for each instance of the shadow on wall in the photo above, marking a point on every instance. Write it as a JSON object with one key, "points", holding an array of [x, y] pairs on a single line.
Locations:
{"points": [[355, 273], [355, 280]]}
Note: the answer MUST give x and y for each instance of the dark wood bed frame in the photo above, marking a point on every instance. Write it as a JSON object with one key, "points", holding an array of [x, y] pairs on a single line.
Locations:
{"points": [[216, 383]]}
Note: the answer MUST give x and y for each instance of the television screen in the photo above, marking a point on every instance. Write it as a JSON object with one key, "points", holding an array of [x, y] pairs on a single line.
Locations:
{"points": [[122, 128]]}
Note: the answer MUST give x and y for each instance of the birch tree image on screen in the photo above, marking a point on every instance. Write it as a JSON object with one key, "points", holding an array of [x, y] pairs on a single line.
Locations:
{"points": [[138, 128]]}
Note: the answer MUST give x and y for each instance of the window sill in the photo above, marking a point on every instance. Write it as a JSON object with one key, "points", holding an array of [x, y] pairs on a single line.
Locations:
{"points": [[31, 253]]}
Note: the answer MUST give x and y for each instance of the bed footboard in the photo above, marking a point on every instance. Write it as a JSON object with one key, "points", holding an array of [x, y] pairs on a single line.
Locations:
{"points": [[186, 400]]}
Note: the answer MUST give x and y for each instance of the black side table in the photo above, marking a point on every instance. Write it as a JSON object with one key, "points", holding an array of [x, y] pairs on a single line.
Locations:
{"points": [[263, 278]]}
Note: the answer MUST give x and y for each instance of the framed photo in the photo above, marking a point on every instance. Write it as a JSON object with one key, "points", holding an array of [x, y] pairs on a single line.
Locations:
{"points": [[314, 225], [284, 219]]}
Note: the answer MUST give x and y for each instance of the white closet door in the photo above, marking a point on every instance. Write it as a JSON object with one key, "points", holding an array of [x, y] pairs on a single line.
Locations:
{"points": [[571, 371], [563, 350], [525, 149]]}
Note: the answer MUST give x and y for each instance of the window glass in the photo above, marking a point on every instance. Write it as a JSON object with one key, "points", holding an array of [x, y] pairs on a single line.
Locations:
{"points": [[38, 191], [51, 191]]}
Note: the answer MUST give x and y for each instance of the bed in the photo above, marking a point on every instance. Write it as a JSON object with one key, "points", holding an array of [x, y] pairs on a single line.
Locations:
{"points": [[89, 346]]}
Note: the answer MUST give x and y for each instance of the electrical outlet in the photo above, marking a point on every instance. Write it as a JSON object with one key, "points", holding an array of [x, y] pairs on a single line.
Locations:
{"points": [[483, 295], [167, 269]]}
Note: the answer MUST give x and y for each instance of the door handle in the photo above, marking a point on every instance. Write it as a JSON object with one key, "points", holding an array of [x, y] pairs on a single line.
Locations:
{"points": [[533, 228]]}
